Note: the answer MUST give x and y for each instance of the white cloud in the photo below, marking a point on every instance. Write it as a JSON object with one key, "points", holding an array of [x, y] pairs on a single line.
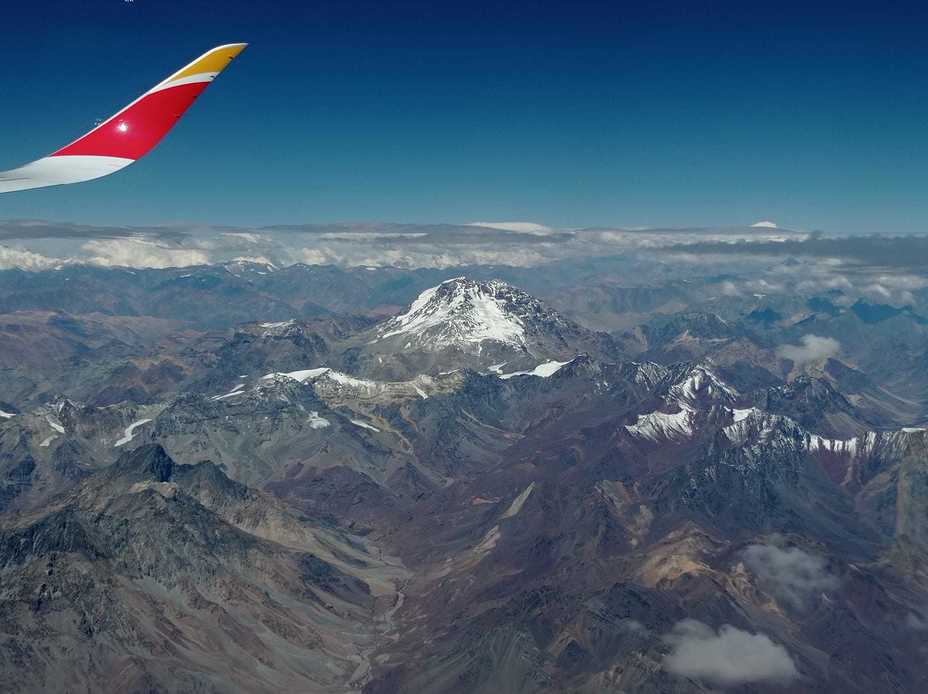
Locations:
{"points": [[791, 574], [25, 260], [825, 283], [419, 255], [878, 292], [314, 256], [811, 348], [515, 243], [730, 289], [894, 289], [141, 253], [903, 281], [727, 658]]}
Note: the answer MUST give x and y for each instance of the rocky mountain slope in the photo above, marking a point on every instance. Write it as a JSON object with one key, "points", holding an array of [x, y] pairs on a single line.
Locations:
{"points": [[477, 494], [153, 576]]}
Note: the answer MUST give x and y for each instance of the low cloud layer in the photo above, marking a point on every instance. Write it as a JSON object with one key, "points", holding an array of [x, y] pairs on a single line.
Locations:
{"points": [[141, 253], [25, 260], [876, 250], [728, 658], [811, 348], [410, 246], [751, 263], [791, 575]]}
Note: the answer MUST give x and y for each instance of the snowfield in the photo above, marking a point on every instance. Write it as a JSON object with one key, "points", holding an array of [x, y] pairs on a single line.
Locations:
{"points": [[661, 425], [235, 391], [545, 370], [317, 422], [129, 433]]}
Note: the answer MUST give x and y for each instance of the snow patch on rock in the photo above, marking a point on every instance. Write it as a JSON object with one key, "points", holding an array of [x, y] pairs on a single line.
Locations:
{"points": [[302, 376], [235, 391], [316, 421], [656, 426], [545, 370], [129, 433]]}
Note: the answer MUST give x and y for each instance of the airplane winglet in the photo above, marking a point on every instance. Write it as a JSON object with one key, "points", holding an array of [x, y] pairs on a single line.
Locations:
{"points": [[129, 134]]}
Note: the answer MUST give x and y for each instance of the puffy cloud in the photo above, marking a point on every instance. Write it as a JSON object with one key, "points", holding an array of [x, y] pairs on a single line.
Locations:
{"points": [[825, 283], [730, 289], [142, 253], [313, 256], [727, 658], [25, 260], [878, 292], [895, 289], [791, 575], [811, 348], [902, 281]]}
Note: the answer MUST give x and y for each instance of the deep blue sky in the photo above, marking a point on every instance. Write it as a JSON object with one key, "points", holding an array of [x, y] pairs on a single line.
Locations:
{"points": [[570, 114]]}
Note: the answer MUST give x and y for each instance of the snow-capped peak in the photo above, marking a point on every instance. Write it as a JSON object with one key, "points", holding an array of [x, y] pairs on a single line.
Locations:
{"points": [[465, 313], [691, 389], [765, 224], [701, 380]]}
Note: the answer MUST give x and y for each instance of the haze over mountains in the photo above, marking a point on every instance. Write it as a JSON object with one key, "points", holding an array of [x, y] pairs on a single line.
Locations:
{"points": [[697, 462]]}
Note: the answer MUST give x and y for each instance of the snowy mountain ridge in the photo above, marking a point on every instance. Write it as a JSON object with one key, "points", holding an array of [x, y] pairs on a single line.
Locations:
{"points": [[464, 314]]}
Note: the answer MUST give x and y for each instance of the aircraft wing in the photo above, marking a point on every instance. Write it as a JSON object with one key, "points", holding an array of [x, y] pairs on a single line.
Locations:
{"points": [[129, 134]]}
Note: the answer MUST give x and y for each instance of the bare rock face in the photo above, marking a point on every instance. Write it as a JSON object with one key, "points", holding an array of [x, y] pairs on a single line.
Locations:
{"points": [[150, 575]]}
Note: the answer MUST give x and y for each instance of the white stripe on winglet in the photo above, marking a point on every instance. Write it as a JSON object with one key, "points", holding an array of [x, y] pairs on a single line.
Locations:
{"points": [[189, 79], [59, 170]]}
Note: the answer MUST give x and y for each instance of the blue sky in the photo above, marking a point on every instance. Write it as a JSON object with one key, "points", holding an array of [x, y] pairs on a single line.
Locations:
{"points": [[569, 114]]}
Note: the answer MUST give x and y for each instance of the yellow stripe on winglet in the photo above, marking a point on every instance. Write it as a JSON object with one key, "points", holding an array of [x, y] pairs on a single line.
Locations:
{"points": [[211, 61]]}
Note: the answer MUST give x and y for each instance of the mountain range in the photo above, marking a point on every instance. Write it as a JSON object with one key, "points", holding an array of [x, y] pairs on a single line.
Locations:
{"points": [[319, 480]]}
